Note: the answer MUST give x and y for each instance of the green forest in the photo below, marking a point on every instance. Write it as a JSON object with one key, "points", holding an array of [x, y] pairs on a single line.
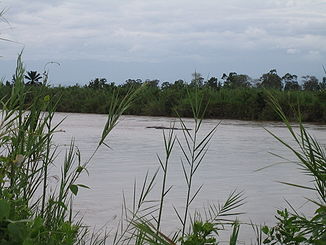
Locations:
{"points": [[233, 96]]}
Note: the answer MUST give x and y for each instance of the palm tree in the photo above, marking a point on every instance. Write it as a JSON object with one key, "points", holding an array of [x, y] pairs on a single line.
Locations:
{"points": [[33, 77]]}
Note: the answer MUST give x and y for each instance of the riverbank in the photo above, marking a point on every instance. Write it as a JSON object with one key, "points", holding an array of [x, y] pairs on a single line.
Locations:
{"points": [[238, 104]]}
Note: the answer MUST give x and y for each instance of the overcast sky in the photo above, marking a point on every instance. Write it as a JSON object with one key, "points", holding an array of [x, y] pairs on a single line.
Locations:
{"points": [[163, 39]]}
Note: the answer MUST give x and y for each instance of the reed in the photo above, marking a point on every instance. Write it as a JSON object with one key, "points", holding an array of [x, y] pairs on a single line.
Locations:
{"points": [[32, 211], [26, 154], [293, 227], [198, 228]]}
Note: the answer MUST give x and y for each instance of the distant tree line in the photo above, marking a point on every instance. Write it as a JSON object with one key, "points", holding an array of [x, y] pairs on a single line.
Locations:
{"points": [[233, 96]]}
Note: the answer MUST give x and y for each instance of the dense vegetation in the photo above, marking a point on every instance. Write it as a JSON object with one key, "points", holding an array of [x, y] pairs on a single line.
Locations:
{"points": [[235, 97]]}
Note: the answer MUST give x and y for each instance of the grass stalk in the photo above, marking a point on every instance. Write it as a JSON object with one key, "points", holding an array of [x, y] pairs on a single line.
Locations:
{"points": [[194, 151], [169, 141]]}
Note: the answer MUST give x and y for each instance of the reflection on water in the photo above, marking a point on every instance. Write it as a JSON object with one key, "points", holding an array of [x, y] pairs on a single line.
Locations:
{"points": [[237, 149]]}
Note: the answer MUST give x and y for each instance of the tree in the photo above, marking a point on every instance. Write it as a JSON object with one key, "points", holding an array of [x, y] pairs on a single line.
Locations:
{"points": [[179, 84], [322, 85], [310, 83], [152, 83], [271, 80], [33, 78], [212, 83], [234, 80], [197, 79], [132, 83], [290, 82], [166, 85], [97, 83]]}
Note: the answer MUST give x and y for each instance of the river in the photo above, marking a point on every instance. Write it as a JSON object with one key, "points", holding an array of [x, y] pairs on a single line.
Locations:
{"points": [[236, 151]]}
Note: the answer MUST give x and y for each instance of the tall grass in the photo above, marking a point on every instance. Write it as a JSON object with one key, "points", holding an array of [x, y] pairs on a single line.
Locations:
{"points": [[141, 222], [26, 154], [293, 227], [32, 211]]}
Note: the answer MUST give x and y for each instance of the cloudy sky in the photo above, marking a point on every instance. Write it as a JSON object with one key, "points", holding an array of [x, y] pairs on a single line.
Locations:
{"points": [[163, 39]]}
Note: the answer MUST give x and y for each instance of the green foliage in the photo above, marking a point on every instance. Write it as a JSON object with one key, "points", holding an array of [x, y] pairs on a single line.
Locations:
{"points": [[99, 83], [290, 82], [234, 80], [287, 230], [201, 234], [310, 83], [33, 211], [237, 99], [30, 214], [292, 227], [35, 231], [271, 80]]}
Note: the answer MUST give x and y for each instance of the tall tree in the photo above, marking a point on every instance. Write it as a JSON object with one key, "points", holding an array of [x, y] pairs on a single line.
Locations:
{"points": [[310, 83], [322, 85], [234, 80], [152, 83], [165, 85], [212, 83], [271, 80], [97, 83], [290, 82], [133, 83], [179, 84]]}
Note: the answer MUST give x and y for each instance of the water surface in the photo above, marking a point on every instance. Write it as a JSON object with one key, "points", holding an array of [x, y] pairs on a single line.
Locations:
{"points": [[237, 149]]}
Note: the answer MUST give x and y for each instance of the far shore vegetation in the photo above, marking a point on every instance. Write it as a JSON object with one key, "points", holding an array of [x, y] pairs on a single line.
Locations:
{"points": [[233, 96]]}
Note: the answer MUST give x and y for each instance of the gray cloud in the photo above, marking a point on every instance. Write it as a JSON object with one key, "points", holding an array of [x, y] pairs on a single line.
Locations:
{"points": [[166, 31]]}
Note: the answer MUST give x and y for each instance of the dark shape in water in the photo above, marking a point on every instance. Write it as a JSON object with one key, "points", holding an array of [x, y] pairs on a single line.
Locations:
{"points": [[163, 127]]}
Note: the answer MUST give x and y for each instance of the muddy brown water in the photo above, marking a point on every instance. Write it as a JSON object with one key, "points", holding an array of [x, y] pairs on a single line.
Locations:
{"points": [[236, 151]]}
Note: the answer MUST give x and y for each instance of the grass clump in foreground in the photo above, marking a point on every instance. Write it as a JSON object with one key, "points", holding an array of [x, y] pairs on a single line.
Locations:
{"points": [[29, 212], [32, 213], [293, 227]]}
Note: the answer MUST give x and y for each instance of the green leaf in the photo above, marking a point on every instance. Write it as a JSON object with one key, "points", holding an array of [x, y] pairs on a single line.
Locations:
{"points": [[4, 209], [37, 225], [28, 241], [47, 98], [84, 186], [80, 169], [74, 189], [265, 229], [17, 232]]}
